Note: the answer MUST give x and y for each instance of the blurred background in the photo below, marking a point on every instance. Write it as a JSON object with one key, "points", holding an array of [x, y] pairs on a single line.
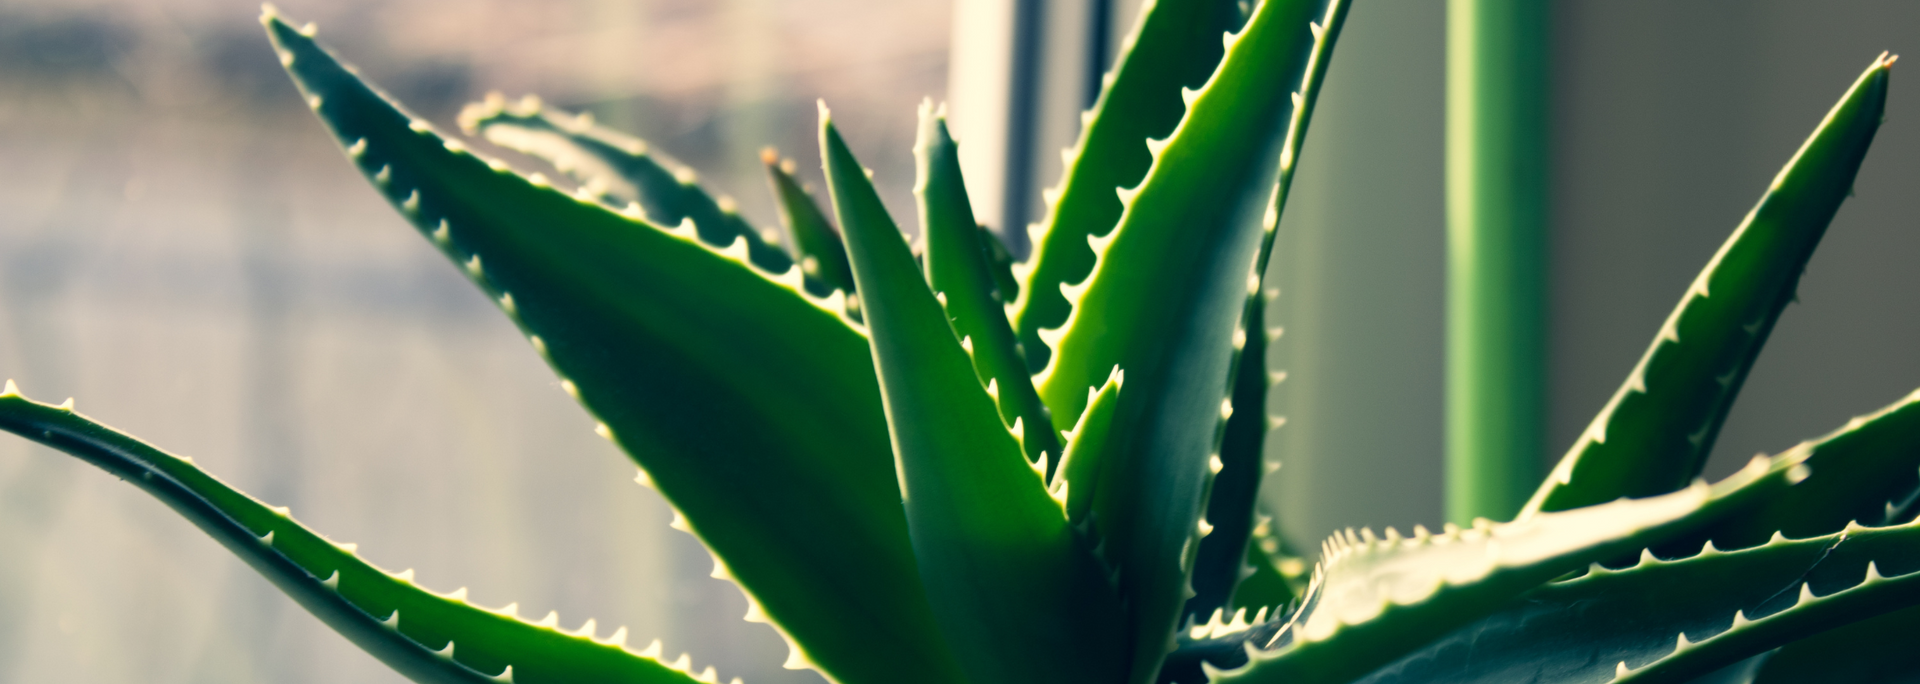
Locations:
{"points": [[184, 250]]}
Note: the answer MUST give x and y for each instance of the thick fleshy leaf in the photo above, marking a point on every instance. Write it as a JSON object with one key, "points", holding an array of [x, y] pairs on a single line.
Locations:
{"points": [[429, 637], [1221, 564], [1088, 448], [1018, 597], [816, 245], [1166, 299], [619, 169], [1876, 650], [1377, 598], [958, 268], [1854, 474], [1175, 45], [1000, 265], [1674, 620], [1272, 571], [1656, 432], [750, 406]]}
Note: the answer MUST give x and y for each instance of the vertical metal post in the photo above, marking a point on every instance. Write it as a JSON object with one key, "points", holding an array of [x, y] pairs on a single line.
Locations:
{"points": [[1496, 253]]}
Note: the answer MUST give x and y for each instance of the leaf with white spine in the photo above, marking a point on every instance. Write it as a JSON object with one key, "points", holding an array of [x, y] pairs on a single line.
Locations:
{"points": [[618, 169], [1656, 432], [428, 637], [1374, 600], [1175, 44], [1674, 620], [752, 406], [1017, 596], [1166, 298], [1852, 473], [811, 235], [958, 266]]}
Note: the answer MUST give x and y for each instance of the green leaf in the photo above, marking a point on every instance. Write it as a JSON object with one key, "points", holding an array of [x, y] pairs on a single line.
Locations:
{"points": [[1221, 563], [1656, 432], [426, 636], [1165, 302], [618, 169], [1089, 445], [814, 240], [750, 406], [1175, 45], [1674, 620], [1854, 473], [1016, 595], [1000, 265], [1265, 584], [958, 268], [1375, 599], [1877, 650]]}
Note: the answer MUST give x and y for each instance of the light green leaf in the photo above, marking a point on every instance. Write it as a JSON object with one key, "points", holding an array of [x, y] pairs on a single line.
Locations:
{"points": [[1165, 302], [1853, 474], [428, 637], [1656, 432], [1375, 599], [958, 268], [619, 169], [815, 242], [1088, 448], [1675, 620], [750, 406], [1175, 45], [1017, 596]]}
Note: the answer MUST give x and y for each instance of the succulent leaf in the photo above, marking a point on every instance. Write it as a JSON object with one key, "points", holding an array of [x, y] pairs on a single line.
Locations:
{"points": [[958, 267], [1852, 475], [1377, 598], [618, 169], [428, 637], [816, 245], [1656, 432], [1877, 650], [750, 406], [1674, 620], [1174, 45], [1263, 582], [1167, 296], [1018, 597], [1218, 568], [1078, 476], [1000, 267]]}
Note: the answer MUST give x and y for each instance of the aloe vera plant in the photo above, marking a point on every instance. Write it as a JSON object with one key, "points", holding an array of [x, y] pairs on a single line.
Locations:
{"points": [[920, 464]]}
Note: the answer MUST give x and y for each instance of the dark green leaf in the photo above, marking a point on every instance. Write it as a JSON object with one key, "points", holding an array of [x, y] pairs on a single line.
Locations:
{"points": [[620, 170], [1176, 45], [1016, 595], [1674, 620], [1376, 599], [958, 269], [1166, 299], [751, 407], [815, 242], [428, 637], [1656, 432]]}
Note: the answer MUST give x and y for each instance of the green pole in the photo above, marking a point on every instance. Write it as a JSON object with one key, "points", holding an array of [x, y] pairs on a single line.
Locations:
{"points": [[1496, 253]]}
